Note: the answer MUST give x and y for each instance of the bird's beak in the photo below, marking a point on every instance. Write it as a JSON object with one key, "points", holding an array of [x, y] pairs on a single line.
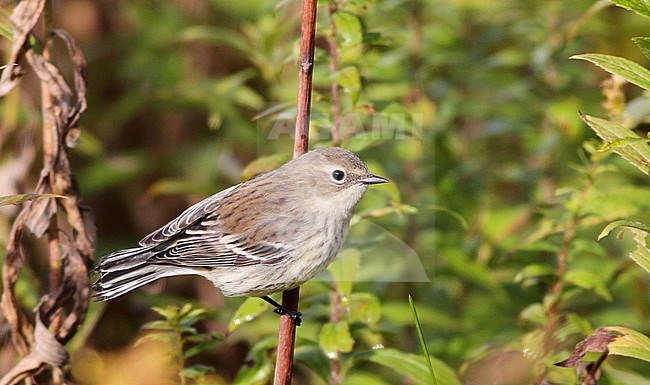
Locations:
{"points": [[373, 179]]}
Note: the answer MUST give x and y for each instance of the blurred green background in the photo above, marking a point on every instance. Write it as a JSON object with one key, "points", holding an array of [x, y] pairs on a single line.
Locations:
{"points": [[470, 108]]}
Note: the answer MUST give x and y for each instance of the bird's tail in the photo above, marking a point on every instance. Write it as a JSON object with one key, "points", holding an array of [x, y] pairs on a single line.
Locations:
{"points": [[126, 270]]}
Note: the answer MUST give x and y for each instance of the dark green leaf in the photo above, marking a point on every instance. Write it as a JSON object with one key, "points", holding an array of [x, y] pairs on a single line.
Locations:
{"points": [[642, 7], [627, 69], [196, 371], [423, 344], [588, 280], [644, 45], [314, 358], [211, 341], [534, 271], [623, 223], [411, 366], [638, 154]]}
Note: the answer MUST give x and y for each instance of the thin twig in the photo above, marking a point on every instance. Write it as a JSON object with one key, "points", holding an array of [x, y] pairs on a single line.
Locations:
{"points": [[287, 332], [335, 316], [548, 343]]}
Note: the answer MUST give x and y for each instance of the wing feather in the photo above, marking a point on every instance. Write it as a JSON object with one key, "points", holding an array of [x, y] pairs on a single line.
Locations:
{"points": [[217, 250], [187, 218]]}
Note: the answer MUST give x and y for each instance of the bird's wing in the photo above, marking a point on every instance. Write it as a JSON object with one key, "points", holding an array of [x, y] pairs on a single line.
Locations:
{"points": [[186, 219], [205, 248]]}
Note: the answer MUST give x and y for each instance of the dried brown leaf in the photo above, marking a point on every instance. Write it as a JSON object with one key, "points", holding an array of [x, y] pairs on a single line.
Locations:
{"points": [[595, 342], [51, 78], [80, 75], [46, 349], [22, 331], [23, 19]]}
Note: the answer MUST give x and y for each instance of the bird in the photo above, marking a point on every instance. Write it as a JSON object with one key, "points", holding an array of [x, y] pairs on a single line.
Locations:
{"points": [[270, 233]]}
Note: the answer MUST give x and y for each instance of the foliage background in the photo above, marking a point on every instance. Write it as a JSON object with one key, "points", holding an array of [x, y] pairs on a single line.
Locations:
{"points": [[495, 179]]}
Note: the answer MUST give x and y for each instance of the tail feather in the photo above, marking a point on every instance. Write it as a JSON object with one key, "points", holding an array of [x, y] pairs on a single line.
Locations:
{"points": [[126, 270]]}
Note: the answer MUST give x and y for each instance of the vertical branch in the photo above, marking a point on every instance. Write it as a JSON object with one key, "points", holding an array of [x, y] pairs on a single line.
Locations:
{"points": [[287, 330], [305, 70], [335, 316]]}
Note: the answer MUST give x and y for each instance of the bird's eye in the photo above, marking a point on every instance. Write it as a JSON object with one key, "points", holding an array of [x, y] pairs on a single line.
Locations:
{"points": [[338, 175]]}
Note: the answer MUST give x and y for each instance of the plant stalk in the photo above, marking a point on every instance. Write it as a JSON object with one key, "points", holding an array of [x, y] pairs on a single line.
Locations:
{"points": [[290, 298]]}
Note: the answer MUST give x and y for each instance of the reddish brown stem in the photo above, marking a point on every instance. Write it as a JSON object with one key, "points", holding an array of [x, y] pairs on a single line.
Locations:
{"points": [[287, 332], [286, 339], [305, 70]]}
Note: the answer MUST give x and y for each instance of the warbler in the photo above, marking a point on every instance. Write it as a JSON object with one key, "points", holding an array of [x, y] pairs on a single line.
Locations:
{"points": [[271, 233]]}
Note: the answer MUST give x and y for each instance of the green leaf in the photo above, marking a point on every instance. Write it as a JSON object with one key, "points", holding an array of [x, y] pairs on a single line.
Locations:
{"points": [[314, 358], [641, 255], [210, 341], [623, 377], [22, 198], [190, 316], [248, 311], [214, 35], [423, 344], [534, 313], [588, 280], [264, 164], [196, 371], [350, 80], [364, 307], [638, 153], [630, 344], [335, 338], [642, 7], [112, 172], [365, 378], [261, 373], [627, 69], [623, 223], [644, 45], [533, 271], [411, 366], [171, 186], [348, 29], [158, 325], [344, 270], [456, 215], [474, 272], [623, 142]]}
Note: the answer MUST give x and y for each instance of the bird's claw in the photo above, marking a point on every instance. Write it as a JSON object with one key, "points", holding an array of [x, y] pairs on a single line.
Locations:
{"points": [[294, 315]]}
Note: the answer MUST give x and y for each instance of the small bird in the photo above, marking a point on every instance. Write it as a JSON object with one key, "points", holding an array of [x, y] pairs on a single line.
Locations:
{"points": [[269, 234]]}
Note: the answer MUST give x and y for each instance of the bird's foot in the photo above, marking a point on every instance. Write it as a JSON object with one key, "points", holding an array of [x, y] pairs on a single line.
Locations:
{"points": [[281, 310], [294, 315]]}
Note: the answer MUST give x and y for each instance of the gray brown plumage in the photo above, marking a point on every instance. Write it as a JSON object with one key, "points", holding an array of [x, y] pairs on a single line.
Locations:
{"points": [[268, 234]]}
